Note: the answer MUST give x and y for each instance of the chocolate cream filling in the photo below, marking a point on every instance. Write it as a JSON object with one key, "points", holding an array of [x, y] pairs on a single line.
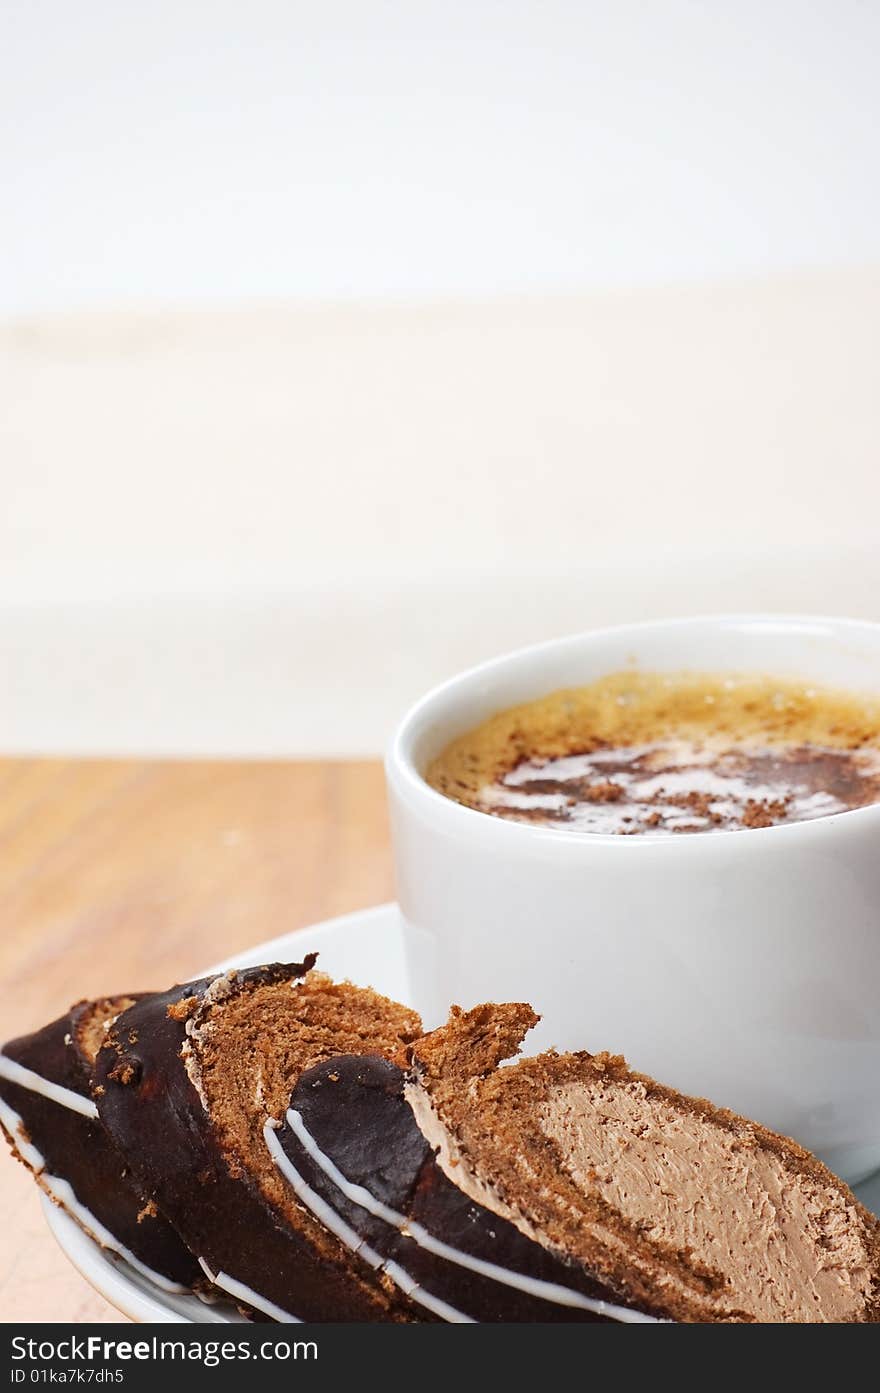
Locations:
{"points": [[787, 1245]]}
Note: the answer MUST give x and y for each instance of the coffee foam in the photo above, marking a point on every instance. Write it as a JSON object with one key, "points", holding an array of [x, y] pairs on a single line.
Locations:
{"points": [[585, 756]]}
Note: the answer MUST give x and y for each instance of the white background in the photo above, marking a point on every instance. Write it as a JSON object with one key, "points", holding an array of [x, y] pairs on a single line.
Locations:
{"points": [[208, 149], [346, 344]]}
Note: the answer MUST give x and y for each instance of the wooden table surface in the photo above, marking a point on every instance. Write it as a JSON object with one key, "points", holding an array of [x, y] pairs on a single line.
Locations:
{"points": [[127, 875]]}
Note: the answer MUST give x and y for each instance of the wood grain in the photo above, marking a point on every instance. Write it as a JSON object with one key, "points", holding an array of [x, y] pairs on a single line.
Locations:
{"points": [[119, 875]]}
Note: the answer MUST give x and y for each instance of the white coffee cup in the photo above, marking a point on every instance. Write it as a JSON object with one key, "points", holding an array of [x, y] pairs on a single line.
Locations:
{"points": [[742, 966]]}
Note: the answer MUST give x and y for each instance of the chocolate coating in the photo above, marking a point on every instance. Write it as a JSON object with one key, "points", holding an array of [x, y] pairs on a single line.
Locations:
{"points": [[79, 1149]]}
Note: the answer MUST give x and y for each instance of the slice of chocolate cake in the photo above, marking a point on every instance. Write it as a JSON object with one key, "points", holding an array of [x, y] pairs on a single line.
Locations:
{"points": [[353, 1153], [680, 1209], [185, 1083], [51, 1121]]}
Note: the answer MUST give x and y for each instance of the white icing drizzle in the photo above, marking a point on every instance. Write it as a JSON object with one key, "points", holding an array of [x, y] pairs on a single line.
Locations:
{"points": [[26, 1078], [318, 1205], [411, 1288], [352, 1240], [248, 1295], [533, 1286], [64, 1194]]}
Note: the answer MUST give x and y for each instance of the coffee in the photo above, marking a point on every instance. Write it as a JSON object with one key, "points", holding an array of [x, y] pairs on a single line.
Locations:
{"points": [[661, 754]]}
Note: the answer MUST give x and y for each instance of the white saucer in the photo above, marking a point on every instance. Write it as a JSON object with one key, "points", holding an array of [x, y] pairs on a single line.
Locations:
{"points": [[368, 948]]}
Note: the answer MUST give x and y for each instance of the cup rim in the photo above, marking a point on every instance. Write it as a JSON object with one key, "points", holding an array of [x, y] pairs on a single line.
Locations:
{"points": [[403, 776]]}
